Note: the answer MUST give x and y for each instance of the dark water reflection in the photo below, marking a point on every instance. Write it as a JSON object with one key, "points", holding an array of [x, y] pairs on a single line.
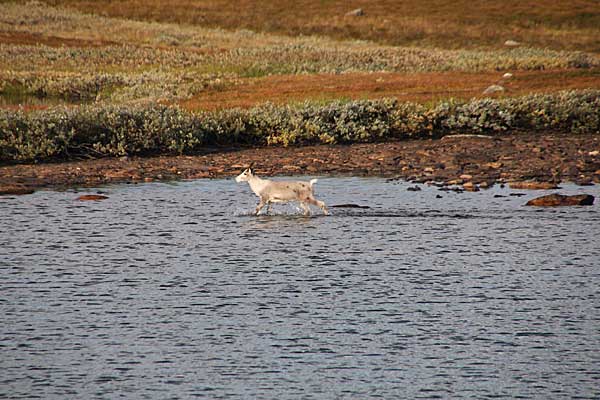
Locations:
{"points": [[174, 291]]}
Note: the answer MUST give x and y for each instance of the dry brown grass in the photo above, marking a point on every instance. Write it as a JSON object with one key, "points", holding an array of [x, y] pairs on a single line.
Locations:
{"points": [[565, 25], [421, 87]]}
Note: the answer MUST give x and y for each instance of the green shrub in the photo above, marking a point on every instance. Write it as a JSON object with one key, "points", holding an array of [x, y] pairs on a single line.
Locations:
{"points": [[92, 131], [99, 130]]}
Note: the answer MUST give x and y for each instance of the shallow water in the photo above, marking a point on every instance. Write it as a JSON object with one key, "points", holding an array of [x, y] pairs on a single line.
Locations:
{"points": [[28, 100], [175, 291]]}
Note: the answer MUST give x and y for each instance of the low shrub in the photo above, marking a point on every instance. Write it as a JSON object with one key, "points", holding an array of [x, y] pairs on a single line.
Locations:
{"points": [[103, 130], [93, 131]]}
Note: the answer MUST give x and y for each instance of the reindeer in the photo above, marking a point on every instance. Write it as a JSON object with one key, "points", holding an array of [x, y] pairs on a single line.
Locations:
{"points": [[281, 191]]}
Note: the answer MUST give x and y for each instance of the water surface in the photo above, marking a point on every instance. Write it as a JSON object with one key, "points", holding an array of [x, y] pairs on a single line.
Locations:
{"points": [[176, 291], [11, 100]]}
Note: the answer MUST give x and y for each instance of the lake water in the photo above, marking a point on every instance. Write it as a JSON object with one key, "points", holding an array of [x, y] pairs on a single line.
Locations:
{"points": [[168, 291], [28, 100]]}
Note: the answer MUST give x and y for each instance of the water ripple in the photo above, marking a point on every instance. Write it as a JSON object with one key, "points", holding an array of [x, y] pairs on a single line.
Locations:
{"points": [[178, 291]]}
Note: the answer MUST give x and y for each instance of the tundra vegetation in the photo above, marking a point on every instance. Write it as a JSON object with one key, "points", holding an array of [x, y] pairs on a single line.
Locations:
{"points": [[145, 79]]}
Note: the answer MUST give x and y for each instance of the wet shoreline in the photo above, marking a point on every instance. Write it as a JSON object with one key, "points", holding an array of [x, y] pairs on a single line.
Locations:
{"points": [[466, 162]]}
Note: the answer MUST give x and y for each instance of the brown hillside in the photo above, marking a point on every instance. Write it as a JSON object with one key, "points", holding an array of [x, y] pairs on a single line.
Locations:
{"points": [[572, 25]]}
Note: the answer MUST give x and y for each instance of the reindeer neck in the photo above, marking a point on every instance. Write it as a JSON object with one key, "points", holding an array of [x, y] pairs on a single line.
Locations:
{"points": [[257, 184]]}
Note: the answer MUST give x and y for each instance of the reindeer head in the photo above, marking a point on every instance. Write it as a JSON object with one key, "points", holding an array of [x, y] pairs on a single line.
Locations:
{"points": [[245, 176]]}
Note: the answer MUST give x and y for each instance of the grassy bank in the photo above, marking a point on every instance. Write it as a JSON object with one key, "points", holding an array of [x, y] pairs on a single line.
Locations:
{"points": [[423, 87], [64, 53], [95, 131], [165, 82]]}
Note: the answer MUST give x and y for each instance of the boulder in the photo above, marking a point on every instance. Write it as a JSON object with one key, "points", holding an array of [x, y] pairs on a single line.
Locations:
{"points": [[348, 206], [559, 200], [117, 174], [467, 136], [512, 43], [355, 13], [494, 165], [585, 181], [93, 197], [507, 75], [199, 175], [470, 187], [533, 185], [493, 89], [15, 190]]}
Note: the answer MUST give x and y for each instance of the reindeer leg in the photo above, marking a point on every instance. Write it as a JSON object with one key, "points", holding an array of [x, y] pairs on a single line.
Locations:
{"points": [[305, 208], [268, 207], [319, 204], [260, 206]]}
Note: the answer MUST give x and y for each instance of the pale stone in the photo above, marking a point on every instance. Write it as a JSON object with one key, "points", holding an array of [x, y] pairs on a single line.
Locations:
{"points": [[533, 185], [355, 13], [493, 89]]}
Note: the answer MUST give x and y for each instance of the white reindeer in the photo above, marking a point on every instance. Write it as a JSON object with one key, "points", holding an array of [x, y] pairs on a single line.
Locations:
{"points": [[281, 191]]}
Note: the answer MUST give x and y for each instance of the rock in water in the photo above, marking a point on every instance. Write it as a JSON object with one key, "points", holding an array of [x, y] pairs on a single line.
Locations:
{"points": [[87, 197], [355, 13], [348, 206], [470, 187], [532, 185], [559, 200], [15, 190], [493, 89]]}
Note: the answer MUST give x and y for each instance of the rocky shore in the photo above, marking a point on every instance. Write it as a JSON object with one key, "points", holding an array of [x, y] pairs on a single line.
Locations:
{"points": [[459, 162]]}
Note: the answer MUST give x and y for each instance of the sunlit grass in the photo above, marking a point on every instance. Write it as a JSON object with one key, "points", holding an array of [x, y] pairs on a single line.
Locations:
{"points": [[472, 24], [134, 75], [78, 56]]}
